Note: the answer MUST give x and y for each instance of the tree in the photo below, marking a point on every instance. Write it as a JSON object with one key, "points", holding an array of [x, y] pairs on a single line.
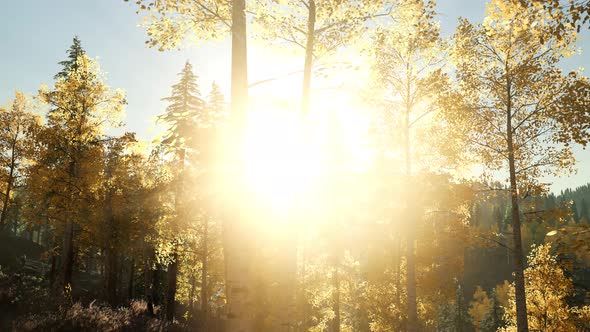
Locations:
{"points": [[516, 107], [118, 219], [16, 142], [547, 288], [407, 66], [480, 307], [574, 211], [576, 13], [215, 117], [156, 176], [216, 107], [71, 64], [168, 24], [317, 27], [81, 108], [185, 108], [584, 210]]}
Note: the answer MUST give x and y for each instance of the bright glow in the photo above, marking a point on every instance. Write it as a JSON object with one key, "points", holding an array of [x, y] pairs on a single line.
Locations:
{"points": [[287, 162], [281, 163]]}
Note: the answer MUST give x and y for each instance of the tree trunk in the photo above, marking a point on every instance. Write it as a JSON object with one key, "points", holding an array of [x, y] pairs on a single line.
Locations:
{"points": [[155, 295], [309, 46], [111, 250], [521, 310], [6, 199], [237, 249], [239, 70], [130, 286], [171, 289], [111, 275], [149, 281], [67, 260], [52, 269], [173, 265]]}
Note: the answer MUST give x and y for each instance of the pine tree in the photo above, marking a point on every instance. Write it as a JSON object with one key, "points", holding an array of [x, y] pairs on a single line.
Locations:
{"points": [[584, 210], [574, 211], [216, 106], [185, 109], [183, 114], [71, 64], [81, 108]]}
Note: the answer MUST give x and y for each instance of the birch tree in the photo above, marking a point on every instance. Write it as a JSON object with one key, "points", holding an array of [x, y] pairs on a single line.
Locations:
{"points": [[515, 109], [407, 66]]}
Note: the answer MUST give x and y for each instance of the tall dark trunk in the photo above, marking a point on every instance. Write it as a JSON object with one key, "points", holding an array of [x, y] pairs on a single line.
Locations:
{"points": [[130, 285], [150, 276], [67, 257], [520, 294], [309, 46], [53, 269], [111, 251], [171, 287], [9, 183], [111, 275], [15, 226]]}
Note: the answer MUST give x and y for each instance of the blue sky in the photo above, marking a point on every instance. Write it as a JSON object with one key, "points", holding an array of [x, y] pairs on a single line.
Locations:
{"points": [[35, 35]]}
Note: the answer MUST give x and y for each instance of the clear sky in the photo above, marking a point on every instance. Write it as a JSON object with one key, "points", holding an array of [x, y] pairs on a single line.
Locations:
{"points": [[34, 36]]}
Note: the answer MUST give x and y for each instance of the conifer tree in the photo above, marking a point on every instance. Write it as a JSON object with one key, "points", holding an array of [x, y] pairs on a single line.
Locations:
{"points": [[184, 109], [71, 64], [217, 114], [182, 115], [81, 109], [168, 24]]}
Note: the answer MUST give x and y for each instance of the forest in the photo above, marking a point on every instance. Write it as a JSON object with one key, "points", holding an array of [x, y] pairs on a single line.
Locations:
{"points": [[424, 200]]}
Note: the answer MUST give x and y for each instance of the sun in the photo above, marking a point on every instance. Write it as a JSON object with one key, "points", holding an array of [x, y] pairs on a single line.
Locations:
{"points": [[281, 162], [287, 158]]}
